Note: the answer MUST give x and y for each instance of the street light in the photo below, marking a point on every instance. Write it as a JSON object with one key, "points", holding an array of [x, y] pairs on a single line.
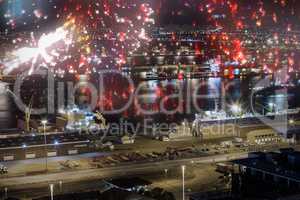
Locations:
{"points": [[292, 122], [44, 123], [236, 109], [273, 108], [51, 186], [183, 184], [5, 192], [60, 186]]}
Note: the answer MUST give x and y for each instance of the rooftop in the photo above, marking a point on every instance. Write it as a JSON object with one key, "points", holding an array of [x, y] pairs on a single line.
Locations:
{"points": [[274, 163]]}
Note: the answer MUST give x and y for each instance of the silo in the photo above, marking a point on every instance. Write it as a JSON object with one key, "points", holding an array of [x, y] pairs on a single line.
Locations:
{"points": [[7, 108]]}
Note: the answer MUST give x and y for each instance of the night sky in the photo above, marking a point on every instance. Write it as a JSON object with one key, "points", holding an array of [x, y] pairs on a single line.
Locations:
{"points": [[24, 14], [69, 34]]}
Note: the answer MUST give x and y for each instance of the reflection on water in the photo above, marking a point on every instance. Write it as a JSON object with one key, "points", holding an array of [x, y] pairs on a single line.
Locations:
{"points": [[213, 94], [195, 94], [204, 94]]}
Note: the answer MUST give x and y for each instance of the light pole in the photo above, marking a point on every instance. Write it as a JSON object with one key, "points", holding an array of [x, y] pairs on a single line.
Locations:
{"points": [[183, 184], [60, 186], [51, 190], [236, 109], [44, 122], [5, 192], [184, 128], [273, 108]]}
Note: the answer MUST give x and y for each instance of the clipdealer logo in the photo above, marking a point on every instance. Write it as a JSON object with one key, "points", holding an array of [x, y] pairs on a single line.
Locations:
{"points": [[186, 96]]}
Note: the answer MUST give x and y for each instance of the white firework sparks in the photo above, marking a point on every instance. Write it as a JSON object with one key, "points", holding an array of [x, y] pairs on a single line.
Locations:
{"points": [[28, 54]]}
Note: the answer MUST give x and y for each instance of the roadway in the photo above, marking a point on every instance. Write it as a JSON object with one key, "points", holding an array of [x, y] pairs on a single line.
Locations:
{"points": [[89, 178], [103, 173], [38, 140], [23, 172]]}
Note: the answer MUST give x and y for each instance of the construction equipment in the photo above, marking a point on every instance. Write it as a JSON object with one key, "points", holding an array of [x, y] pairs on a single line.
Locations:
{"points": [[3, 169], [28, 111], [102, 120], [69, 164]]}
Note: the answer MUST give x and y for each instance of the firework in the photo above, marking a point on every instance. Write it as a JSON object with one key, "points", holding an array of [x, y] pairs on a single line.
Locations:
{"points": [[107, 32]]}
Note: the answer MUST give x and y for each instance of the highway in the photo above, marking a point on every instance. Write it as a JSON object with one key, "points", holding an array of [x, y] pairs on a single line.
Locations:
{"points": [[134, 168], [38, 140], [102, 173]]}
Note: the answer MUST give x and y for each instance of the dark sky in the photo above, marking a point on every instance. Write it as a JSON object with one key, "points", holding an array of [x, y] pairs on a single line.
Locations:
{"points": [[168, 11], [16, 8]]}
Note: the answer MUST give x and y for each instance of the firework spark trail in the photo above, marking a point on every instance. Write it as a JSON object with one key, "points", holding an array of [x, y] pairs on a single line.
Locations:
{"points": [[110, 30], [113, 29], [32, 54], [107, 31]]}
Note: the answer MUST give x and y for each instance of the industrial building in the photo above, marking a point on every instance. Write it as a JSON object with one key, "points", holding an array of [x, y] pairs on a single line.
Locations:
{"points": [[273, 174]]}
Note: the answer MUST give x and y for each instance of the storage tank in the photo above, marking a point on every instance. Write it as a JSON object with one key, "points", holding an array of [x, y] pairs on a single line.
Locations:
{"points": [[7, 108]]}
